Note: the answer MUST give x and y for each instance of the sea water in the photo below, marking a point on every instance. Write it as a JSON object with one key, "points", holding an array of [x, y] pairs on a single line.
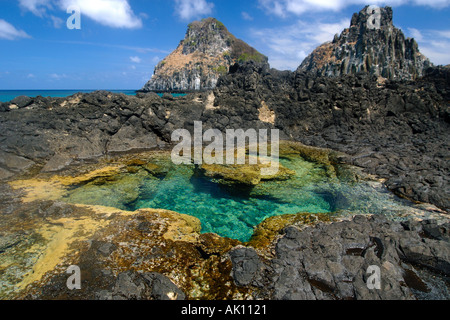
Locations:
{"points": [[8, 95]]}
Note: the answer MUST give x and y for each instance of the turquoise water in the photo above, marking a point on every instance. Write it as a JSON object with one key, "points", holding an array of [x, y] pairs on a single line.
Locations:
{"points": [[234, 211], [230, 211], [8, 95]]}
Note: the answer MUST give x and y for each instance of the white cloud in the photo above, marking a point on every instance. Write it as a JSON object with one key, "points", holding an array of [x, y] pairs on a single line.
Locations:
{"points": [[416, 34], [9, 32], [283, 8], [191, 9], [136, 59], [56, 76], [31, 76], [111, 13], [246, 16], [141, 50], [37, 7], [57, 22], [444, 33], [434, 44], [288, 46]]}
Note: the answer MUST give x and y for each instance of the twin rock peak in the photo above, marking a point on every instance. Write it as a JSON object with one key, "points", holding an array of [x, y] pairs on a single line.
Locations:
{"points": [[372, 44]]}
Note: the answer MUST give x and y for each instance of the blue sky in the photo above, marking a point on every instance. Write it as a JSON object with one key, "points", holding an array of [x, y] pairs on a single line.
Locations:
{"points": [[121, 41]]}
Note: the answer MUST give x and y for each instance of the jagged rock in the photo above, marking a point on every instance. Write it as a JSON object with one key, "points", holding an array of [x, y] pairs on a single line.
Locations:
{"points": [[206, 53], [246, 265], [14, 163], [57, 163], [397, 130], [131, 285], [372, 44], [331, 261], [22, 101]]}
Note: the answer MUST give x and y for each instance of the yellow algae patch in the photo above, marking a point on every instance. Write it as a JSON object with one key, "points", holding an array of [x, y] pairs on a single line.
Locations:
{"points": [[181, 227], [59, 234], [246, 174], [105, 172], [267, 231], [105, 211], [36, 189], [55, 187]]}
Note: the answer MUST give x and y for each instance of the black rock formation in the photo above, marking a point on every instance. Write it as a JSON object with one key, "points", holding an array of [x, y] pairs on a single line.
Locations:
{"points": [[372, 44], [334, 262]]}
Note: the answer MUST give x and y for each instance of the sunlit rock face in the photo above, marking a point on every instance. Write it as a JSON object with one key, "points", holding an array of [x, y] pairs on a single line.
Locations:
{"points": [[372, 44], [206, 53]]}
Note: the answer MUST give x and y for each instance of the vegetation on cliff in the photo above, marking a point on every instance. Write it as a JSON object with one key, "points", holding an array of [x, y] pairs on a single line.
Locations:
{"points": [[205, 54]]}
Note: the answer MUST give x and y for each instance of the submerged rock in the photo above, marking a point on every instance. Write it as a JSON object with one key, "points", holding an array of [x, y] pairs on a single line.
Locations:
{"points": [[250, 175]]}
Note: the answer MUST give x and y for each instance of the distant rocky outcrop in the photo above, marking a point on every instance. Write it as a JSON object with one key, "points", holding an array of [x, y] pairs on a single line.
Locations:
{"points": [[372, 44], [206, 53]]}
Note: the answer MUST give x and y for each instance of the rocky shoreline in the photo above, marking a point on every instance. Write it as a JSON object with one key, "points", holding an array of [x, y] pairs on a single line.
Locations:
{"points": [[365, 118], [396, 130], [119, 258]]}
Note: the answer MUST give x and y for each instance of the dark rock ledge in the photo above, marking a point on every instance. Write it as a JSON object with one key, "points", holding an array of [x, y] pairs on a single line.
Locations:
{"points": [[330, 261]]}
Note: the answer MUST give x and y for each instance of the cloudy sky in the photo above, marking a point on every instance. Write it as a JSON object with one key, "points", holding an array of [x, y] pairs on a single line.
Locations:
{"points": [[121, 41]]}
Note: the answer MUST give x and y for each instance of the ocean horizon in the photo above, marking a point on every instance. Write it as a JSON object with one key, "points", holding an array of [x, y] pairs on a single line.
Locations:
{"points": [[8, 95]]}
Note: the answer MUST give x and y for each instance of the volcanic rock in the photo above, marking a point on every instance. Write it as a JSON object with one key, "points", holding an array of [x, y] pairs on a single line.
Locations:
{"points": [[372, 44], [206, 53]]}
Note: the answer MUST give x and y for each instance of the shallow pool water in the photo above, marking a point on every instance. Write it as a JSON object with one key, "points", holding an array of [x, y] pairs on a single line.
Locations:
{"points": [[233, 210], [230, 211]]}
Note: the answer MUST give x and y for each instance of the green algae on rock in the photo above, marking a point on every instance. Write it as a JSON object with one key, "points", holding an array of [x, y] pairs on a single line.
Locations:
{"points": [[243, 174]]}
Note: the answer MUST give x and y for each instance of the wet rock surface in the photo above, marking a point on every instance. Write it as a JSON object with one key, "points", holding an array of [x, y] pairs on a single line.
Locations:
{"points": [[142, 255], [161, 255]]}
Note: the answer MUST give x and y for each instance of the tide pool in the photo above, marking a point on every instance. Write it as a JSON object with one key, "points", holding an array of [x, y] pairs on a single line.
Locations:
{"points": [[235, 210]]}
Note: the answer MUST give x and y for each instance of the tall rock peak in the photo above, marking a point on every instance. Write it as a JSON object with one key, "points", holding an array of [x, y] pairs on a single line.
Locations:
{"points": [[206, 53], [371, 44]]}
